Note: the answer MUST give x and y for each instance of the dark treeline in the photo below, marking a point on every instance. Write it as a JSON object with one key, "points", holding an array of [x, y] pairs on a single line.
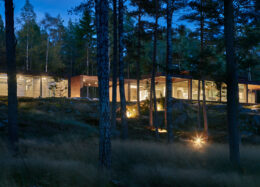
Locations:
{"points": [[48, 45]]}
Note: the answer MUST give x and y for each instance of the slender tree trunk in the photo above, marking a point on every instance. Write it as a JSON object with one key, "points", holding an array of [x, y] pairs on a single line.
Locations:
{"points": [[70, 75], [169, 69], [155, 123], [115, 69], [138, 76], [87, 70], [198, 116], [27, 50], [103, 80], [47, 55], [151, 105], [121, 70], [232, 83], [205, 116], [204, 107], [11, 71]]}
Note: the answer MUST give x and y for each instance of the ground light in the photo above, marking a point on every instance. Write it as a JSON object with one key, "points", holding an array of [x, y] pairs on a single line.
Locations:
{"points": [[161, 131], [199, 141]]}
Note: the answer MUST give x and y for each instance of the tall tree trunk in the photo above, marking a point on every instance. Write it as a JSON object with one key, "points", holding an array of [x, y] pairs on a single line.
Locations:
{"points": [[115, 69], [155, 123], [232, 83], [205, 116], [70, 74], [103, 80], [128, 83], [204, 107], [11, 71], [198, 114], [121, 70], [138, 76], [27, 49], [169, 69], [87, 70], [151, 105], [47, 55]]}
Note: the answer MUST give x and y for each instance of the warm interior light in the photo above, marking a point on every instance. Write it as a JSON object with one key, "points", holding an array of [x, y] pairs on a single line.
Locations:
{"points": [[131, 112], [160, 107]]}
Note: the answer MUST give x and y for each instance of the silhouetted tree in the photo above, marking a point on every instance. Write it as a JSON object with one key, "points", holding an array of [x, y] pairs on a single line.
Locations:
{"points": [[121, 69], [232, 83], [101, 8], [11, 72], [169, 70], [115, 67]]}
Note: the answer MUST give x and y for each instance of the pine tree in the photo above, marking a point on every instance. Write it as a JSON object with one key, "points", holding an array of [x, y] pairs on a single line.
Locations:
{"points": [[101, 8], [28, 18], [2, 45], [169, 70], [11, 72], [121, 68], [139, 13], [232, 83], [115, 62]]}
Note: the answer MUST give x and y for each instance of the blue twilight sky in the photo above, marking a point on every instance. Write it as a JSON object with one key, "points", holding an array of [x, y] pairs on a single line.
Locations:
{"points": [[54, 7]]}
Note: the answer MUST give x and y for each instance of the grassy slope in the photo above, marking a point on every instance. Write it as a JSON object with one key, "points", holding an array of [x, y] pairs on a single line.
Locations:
{"points": [[59, 147]]}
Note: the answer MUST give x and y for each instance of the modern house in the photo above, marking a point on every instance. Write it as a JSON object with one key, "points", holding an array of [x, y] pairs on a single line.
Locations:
{"points": [[36, 86], [184, 87]]}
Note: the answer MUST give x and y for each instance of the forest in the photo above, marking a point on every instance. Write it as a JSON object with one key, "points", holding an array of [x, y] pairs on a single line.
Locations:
{"points": [[52, 46], [162, 140]]}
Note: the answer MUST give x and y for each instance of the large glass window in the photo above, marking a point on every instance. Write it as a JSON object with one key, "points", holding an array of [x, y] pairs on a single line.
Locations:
{"points": [[242, 93], [211, 91], [180, 89], [144, 90], [195, 84], [224, 92], [160, 90], [251, 96], [133, 92], [3, 85]]}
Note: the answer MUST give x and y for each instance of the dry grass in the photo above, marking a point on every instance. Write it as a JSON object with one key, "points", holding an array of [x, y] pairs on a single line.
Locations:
{"points": [[58, 147], [135, 163]]}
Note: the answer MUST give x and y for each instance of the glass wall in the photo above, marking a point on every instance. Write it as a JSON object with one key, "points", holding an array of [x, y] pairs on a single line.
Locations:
{"points": [[35, 86], [242, 93], [160, 90], [144, 90], [3, 84], [211, 91], [224, 92], [195, 84], [180, 89], [251, 96], [133, 92]]}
